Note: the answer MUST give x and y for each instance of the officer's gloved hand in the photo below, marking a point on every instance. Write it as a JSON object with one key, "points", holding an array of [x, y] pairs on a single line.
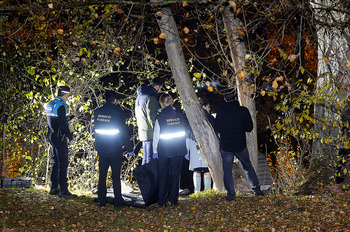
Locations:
{"points": [[187, 156], [131, 154], [155, 156]]}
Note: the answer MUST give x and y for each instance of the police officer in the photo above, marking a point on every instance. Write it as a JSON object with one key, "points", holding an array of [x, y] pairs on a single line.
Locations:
{"points": [[110, 135], [57, 118], [169, 145]]}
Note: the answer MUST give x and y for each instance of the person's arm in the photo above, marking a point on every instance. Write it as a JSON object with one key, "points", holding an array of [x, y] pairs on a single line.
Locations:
{"points": [[156, 134], [249, 122], [124, 129], [63, 122], [152, 110]]}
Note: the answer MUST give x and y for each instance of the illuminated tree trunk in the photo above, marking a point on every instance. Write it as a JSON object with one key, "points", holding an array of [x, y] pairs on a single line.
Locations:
{"points": [[332, 75], [238, 52], [203, 132]]}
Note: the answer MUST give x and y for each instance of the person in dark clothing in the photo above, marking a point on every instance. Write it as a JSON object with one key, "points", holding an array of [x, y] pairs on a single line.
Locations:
{"points": [[57, 113], [231, 123], [169, 145], [146, 110], [110, 135]]}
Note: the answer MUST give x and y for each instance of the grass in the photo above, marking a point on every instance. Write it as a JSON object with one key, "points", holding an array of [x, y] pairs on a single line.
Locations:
{"points": [[34, 209]]}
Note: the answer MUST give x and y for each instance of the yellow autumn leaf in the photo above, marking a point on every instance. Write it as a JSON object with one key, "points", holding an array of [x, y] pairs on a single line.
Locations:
{"points": [[278, 126], [186, 30], [280, 78], [274, 84], [232, 3], [157, 62], [120, 11], [262, 92], [207, 83], [185, 3], [159, 13], [60, 31], [210, 89], [196, 75], [228, 41], [242, 74], [325, 59], [348, 64], [155, 40], [162, 35], [117, 51], [292, 57]]}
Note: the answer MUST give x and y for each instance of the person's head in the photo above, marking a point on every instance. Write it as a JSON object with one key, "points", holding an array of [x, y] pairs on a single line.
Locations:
{"points": [[165, 100], [230, 96], [157, 83], [110, 96], [63, 92], [205, 104]]}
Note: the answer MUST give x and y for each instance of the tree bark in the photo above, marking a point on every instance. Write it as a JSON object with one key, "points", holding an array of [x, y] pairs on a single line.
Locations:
{"points": [[238, 52], [332, 73], [203, 132]]}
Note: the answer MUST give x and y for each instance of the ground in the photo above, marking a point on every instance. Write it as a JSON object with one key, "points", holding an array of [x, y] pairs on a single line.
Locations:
{"points": [[34, 209]]}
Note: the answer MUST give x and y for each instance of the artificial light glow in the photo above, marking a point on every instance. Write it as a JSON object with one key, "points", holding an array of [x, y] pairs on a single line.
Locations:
{"points": [[107, 132], [173, 135]]}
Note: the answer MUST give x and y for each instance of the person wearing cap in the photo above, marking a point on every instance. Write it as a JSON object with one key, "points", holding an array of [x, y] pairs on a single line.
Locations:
{"points": [[146, 110], [231, 123], [169, 146], [111, 134], [57, 113]]}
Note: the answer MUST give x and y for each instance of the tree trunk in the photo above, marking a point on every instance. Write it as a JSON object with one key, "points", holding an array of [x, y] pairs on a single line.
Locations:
{"points": [[238, 52], [203, 132], [332, 74]]}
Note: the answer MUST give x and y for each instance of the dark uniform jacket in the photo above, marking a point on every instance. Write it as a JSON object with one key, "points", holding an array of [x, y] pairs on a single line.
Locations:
{"points": [[146, 110], [110, 130], [170, 133], [57, 118], [232, 121]]}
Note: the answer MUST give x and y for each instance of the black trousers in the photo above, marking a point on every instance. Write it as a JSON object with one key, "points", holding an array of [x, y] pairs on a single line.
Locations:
{"points": [[169, 171], [115, 162], [59, 162]]}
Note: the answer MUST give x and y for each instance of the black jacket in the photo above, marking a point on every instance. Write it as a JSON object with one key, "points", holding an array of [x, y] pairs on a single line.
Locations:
{"points": [[110, 130], [170, 133], [232, 121]]}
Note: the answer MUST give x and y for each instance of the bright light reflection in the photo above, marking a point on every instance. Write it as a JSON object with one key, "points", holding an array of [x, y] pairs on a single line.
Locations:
{"points": [[173, 135], [107, 132]]}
